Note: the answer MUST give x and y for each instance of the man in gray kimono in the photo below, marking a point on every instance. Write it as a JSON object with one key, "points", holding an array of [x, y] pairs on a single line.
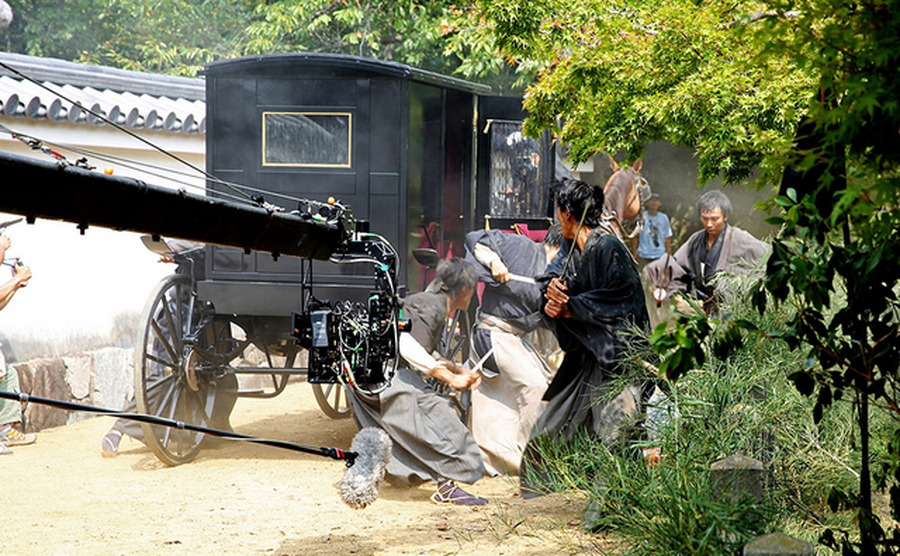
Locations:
{"points": [[506, 406], [430, 442], [718, 247]]}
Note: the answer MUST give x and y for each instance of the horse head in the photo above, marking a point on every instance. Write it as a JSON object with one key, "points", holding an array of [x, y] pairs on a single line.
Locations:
{"points": [[622, 196]]}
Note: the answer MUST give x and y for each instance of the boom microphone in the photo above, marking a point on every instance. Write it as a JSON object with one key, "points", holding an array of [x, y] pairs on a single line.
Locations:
{"points": [[369, 452], [359, 487]]}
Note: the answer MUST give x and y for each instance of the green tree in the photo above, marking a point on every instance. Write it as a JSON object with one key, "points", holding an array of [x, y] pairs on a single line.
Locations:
{"points": [[435, 35], [57, 28], [804, 93], [171, 36], [179, 37], [613, 79], [407, 32], [146, 35]]}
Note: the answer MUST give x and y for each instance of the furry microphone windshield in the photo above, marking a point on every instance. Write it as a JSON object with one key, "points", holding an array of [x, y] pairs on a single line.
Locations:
{"points": [[359, 487]]}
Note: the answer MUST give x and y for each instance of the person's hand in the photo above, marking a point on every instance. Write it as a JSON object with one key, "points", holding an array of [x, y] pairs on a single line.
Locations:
{"points": [[5, 242], [556, 291], [460, 378], [500, 272], [23, 275], [557, 310], [466, 379], [557, 299]]}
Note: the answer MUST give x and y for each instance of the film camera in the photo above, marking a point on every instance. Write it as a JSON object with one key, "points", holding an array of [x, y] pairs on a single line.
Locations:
{"points": [[354, 342]]}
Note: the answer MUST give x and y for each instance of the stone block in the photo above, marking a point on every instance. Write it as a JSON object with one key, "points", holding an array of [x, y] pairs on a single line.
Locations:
{"points": [[737, 477], [26, 377], [113, 377], [49, 382], [79, 370], [80, 375], [778, 544]]}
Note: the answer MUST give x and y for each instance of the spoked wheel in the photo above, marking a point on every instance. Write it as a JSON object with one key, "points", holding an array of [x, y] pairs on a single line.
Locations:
{"points": [[332, 399], [178, 367]]}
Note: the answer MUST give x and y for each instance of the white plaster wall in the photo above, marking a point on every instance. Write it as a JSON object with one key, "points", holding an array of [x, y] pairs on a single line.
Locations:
{"points": [[82, 284]]}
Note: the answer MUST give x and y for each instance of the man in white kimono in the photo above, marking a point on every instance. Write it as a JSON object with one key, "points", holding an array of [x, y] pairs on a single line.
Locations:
{"points": [[506, 406]]}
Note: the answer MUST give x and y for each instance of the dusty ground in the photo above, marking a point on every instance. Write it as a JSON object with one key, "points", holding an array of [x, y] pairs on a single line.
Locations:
{"points": [[61, 497]]}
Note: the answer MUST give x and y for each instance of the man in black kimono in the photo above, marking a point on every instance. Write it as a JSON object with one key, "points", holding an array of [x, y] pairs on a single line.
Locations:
{"points": [[594, 295], [430, 442]]}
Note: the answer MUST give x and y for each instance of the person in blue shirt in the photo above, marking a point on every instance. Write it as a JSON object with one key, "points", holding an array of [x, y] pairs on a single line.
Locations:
{"points": [[656, 236]]}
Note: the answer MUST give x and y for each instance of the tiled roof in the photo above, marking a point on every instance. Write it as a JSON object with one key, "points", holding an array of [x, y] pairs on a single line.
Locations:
{"points": [[128, 98]]}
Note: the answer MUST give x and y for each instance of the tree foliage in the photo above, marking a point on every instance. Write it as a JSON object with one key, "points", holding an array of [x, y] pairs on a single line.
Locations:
{"points": [[805, 93], [613, 78], [407, 32], [179, 37], [171, 36], [146, 35]]}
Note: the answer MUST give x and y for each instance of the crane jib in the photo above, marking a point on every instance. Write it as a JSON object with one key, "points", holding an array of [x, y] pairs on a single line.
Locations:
{"points": [[49, 190]]}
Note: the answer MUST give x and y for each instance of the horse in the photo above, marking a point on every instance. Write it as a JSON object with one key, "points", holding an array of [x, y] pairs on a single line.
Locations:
{"points": [[622, 197]]}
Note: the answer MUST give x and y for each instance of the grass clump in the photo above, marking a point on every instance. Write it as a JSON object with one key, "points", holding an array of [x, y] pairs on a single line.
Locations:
{"points": [[742, 403]]}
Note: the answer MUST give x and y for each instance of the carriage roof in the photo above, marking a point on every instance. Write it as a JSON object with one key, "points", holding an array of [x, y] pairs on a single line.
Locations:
{"points": [[336, 65]]}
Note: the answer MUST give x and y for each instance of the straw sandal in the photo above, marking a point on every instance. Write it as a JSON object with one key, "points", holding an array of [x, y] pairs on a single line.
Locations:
{"points": [[109, 446], [448, 492]]}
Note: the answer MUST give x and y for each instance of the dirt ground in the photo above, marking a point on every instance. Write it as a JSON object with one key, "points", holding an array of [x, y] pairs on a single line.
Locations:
{"points": [[61, 497]]}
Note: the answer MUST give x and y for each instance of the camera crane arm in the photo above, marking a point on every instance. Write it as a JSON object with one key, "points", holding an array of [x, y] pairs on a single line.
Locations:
{"points": [[45, 189]]}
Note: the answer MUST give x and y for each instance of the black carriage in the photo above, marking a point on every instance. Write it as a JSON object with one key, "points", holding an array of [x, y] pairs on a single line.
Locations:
{"points": [[421, 157]]}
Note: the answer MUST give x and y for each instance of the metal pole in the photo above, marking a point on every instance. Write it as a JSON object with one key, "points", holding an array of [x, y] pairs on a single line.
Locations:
{"points": [[333, 453]]}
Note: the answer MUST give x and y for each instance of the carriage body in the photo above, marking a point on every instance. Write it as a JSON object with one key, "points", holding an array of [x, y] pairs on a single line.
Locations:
{"points": [[394, 143], [410, 151]]}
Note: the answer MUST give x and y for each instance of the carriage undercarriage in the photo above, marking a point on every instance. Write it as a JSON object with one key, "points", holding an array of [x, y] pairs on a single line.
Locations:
{"points": [[189, 362]]}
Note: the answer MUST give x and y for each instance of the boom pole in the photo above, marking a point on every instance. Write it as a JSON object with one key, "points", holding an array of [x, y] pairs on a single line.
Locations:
{"points": [[43, 189]]}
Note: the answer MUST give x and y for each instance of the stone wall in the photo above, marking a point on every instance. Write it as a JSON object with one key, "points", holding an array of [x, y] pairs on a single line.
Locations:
{"points": [[102, 378]]}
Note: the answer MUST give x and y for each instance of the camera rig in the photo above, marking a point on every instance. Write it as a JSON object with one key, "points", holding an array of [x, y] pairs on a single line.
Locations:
{"points": [[355, 342]]}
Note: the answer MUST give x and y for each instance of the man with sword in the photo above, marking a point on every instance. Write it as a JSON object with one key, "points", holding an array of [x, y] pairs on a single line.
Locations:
{"points": [[506, 405], [593, 297], [429, 441]]}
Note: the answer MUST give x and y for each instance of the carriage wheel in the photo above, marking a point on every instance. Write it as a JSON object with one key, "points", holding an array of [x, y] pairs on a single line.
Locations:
{"points": [[332, 399], [172, 366]]}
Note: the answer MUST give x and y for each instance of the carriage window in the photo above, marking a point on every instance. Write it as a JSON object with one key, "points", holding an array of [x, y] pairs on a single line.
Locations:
{"points": [[307, 139], [515, 177]]}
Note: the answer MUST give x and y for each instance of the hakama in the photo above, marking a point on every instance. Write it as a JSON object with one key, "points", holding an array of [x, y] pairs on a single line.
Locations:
{"points": [[430, 442], [506, 405]]}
